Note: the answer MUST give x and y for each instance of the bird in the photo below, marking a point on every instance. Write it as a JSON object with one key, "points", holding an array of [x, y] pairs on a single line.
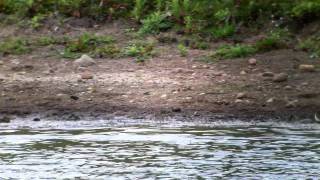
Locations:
{"points": [[316, 117]]}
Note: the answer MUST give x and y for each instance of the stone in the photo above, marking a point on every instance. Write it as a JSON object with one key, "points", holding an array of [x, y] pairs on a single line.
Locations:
{"points": [[252, 61], [292, 104], [307, 68], [268, 74], [5, 119], [243, 73], [84, 61], [241, 95], [288, 87], [1, 63], [74, 98], [281, 77], [271, 100], [86, 75], [36, 119]]}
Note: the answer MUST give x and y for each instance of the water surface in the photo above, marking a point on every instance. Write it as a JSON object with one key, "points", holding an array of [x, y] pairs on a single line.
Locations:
{"points": [[126, 149]]}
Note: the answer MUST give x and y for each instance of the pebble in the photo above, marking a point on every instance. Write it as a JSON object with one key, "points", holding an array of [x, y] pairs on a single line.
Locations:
{"points": [[281, 77], [1, 63], [292, 104], [268, 74], [252, 61], [84, 61], [36, 119], [86, 75], [288, 87], [307, 68], [243, 73], [271, 100], [241, 95]]}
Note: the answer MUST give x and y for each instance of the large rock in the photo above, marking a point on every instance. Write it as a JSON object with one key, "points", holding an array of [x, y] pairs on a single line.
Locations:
{"points": [[307, 68], [5, 119], [84, 61], [281, 77]]}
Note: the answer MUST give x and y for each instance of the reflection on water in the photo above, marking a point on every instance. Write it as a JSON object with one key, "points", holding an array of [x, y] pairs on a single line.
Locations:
{"points": [[98, 150]]}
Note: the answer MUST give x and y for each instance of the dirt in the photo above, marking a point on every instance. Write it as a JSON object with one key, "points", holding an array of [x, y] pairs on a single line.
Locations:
{"points": [[166, 85]]}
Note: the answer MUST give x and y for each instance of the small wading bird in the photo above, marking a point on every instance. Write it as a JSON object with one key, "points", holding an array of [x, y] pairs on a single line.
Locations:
{"points": [[317, 117]]}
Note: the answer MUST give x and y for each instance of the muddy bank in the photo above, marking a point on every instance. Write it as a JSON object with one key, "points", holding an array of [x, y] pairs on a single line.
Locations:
{"points": [[272, 85]]}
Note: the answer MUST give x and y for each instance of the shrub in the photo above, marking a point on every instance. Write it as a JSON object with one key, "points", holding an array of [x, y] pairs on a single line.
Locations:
{"points": [[154, 23], [224, 31], [182, 50], [275, 40], [14, 46]]}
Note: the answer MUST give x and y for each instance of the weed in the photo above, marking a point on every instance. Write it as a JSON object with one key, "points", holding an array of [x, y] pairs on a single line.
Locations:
{"points": [[311, 45], [182, 50], [35, 21], [154, 23], [14, 46], [110, 51], [138, 9], [224, 31], [46, 41], [235, 51], [140, 50], [275, 40]]}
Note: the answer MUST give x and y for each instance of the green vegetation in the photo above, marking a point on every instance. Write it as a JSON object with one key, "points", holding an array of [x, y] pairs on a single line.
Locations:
{"points": [[311, 45], [88, 43], [235, 51], [14, 46], [140, 50], [206, 19], [182, 50]]}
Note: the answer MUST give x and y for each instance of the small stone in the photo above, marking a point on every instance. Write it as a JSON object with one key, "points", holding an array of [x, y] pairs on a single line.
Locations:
{"points": [[84, 61], [74, 98], [238, 101], [86, 75], [5, 119], [164, 96], [243, 73], [282, 77], [241, 95], [292, 104], [307, 68], [271, 100], [1, 63], [252, 61], [36, 119], [288, 87], [176, 110], [268, 74]]}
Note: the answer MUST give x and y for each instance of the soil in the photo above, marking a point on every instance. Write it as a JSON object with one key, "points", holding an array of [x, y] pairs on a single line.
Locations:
{"points": [[166, 85]]}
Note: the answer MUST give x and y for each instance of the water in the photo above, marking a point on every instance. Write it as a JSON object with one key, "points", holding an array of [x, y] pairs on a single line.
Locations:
{"points": [[125, 149]]}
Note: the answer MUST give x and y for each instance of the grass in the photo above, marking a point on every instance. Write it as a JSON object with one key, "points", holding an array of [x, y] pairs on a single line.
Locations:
{"points": [[224, 31], [276, 39], [140, 50], [15, 46], [182, 50], [311, 45], [154, 23], [233, 51]]}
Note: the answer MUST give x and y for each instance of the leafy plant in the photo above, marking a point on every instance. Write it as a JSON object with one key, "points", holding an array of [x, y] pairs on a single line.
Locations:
{"points": [[154, 23], [14, 46], [275, 40], [138, 9], [182, 50], [224, 31]]}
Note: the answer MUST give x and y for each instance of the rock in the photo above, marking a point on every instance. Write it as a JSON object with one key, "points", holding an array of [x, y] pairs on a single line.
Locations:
{"points": [[84, 61], [36, 119], [1, 63], [238, 101], [281, 77], [268, 74], [271, 100], [164, 96], [5, 119], [307, 68], [74, 98], [241, 95], [87, 75], [288, 87], [252, 61], [243, 73], [176, 110], [292, 104]]}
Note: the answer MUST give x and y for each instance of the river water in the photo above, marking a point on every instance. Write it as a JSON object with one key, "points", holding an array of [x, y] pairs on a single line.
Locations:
{"points": [[141, 149]]}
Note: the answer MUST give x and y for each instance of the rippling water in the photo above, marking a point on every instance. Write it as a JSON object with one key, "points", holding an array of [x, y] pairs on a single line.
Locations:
{"points": [[158, 150]]}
